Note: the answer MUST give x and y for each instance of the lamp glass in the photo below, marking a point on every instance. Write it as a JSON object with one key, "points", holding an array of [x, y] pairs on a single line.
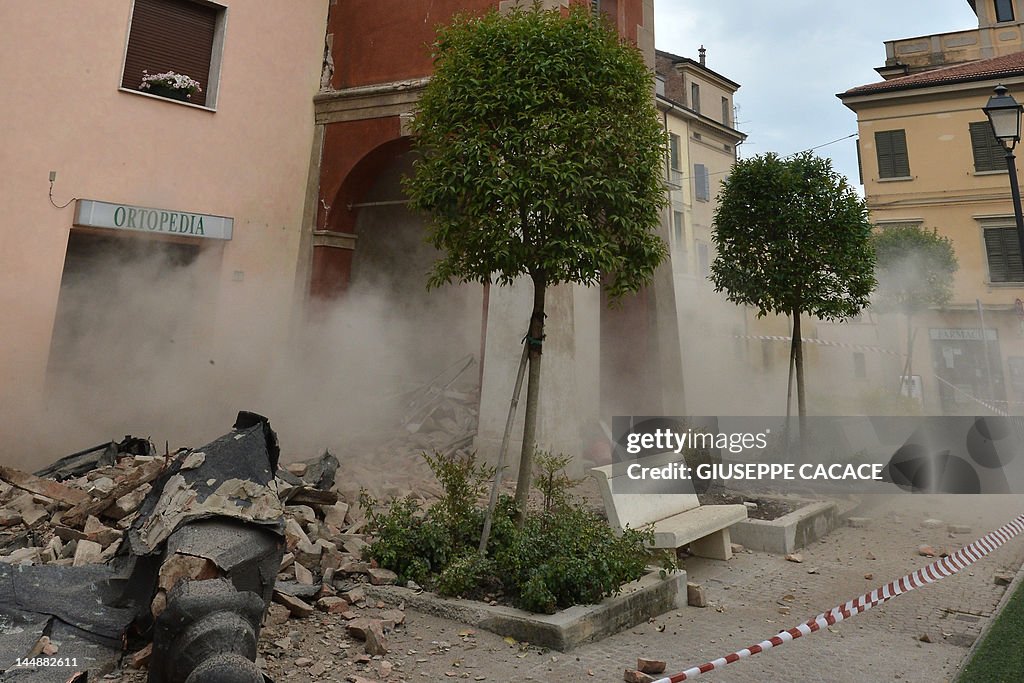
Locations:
{"points": [[1005, 122]]}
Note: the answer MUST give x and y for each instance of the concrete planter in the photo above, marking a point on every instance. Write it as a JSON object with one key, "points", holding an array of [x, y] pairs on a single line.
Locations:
{"points": [[640, 600], [789, 532]]}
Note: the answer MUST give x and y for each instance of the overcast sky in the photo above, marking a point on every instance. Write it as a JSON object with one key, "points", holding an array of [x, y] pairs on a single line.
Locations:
{"points": [[791, 57]]}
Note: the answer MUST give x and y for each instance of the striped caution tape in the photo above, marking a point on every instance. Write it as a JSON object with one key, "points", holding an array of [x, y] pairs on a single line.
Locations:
{"points": [[946, 566], [820, 342]]}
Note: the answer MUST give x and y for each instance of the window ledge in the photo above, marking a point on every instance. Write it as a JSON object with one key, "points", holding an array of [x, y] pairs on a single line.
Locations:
{"points": [[1005, 285], [201, 107], [993, 172], [898, 179]]}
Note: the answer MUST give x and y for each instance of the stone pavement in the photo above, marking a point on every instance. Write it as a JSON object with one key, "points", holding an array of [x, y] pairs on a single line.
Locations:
{"points": [[751, 597]]}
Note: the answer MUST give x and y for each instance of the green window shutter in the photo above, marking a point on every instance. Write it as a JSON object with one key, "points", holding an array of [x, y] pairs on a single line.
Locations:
{"points": [[893, 160], [1003, 251], [988, 153]]}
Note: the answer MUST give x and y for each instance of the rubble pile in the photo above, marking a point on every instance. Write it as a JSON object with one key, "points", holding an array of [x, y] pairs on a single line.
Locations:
{"points": [[78, 516], [436, 417], [83, 519]]}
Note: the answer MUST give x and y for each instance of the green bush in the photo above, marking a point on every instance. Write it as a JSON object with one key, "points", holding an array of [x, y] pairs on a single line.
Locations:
{"points": [[563, 555]]}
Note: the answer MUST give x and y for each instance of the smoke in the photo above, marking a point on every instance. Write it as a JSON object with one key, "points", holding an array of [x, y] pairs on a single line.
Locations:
{"points": [[156, 339]]}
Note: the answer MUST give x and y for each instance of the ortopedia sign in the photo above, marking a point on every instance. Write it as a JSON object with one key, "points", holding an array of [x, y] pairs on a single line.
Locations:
{"points": [[90, 213]]}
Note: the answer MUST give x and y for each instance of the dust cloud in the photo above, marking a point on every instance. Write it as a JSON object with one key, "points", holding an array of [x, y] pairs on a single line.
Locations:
{"points": [[150, 340]]}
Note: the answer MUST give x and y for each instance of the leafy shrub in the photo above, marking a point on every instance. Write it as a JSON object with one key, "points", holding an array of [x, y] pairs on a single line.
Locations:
{"points": [[563, 555]]}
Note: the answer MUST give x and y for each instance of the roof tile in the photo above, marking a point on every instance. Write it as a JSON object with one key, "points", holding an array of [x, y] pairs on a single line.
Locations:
{"points": [[983, 69]]}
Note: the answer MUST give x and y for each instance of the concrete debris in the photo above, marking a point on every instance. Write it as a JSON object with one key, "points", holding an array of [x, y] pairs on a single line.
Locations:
{"points": [[1003, 579], [695, 595], [650, 666], [376, 643], [926, 551], [295, 525], [933, 524], [634, 676], [795, 557]]}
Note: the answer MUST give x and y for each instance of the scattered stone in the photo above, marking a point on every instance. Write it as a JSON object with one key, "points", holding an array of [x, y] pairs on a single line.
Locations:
{"points": [[871, 556], [302, 513], [23, 556], [695, 595], [355, 596], [87, 552], [933, 524], [141, 658], [9, 517], [650, 666], [332, 605], [392, 618], [376, 643], [813, 570], [385, 668], [357, 627], [634, 676], [959, 529], [869, 576], [382, 577], [795, 557], [336, 514], [925, 638], [737, 548], [303, 575], [858, 522], [1003, 579], [926, 551], [277, 614], [297, 607], [318, 669], [286, 561], [303, 662]]}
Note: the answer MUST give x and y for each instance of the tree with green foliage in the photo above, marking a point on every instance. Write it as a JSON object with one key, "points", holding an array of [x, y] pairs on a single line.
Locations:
{"points": [[793, 238], [540, 156], [915, 270]]}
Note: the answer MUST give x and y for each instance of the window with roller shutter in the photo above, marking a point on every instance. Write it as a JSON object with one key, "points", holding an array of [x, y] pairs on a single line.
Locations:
{"points": [[182, 36]]}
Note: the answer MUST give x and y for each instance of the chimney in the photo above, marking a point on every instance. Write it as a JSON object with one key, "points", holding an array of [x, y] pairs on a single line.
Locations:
{"points": [[703, 55]]}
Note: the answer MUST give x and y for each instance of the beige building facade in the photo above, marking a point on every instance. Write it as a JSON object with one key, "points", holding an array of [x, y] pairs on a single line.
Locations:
{"points": [[928, 158], [147, 233], [697, 106]]}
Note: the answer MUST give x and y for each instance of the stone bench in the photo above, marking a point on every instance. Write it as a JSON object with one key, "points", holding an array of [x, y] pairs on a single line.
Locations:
{"points": [[678, 518]]}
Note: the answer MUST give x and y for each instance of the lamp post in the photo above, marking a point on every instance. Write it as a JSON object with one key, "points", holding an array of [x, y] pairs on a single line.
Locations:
{"points": [[1003, 114]]}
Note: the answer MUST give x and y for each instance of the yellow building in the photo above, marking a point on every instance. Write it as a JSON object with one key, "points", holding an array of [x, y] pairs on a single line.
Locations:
{"points": [[697, 106], [928, 158]]}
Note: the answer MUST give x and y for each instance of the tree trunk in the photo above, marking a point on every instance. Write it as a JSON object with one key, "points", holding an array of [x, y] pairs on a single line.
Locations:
{"points": [[801, 398], [789, 379], [910, 354], [535, 341]]}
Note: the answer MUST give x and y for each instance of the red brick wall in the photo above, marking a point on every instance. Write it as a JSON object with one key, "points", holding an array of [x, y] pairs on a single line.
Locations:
{"points": [[377, 41]]}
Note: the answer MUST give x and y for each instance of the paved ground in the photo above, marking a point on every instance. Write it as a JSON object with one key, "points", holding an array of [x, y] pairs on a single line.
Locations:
{"points": [[748, 596]]}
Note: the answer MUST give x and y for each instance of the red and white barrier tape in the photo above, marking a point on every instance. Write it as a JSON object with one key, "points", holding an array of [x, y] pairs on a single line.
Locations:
{"points": [[947, 566]]}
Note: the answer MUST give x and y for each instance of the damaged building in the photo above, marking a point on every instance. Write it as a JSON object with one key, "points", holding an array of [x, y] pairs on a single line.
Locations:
{"points": [[170, 240]]}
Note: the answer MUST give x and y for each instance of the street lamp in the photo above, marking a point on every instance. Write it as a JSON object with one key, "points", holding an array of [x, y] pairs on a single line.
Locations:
{"points": [[1003, 114]]}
